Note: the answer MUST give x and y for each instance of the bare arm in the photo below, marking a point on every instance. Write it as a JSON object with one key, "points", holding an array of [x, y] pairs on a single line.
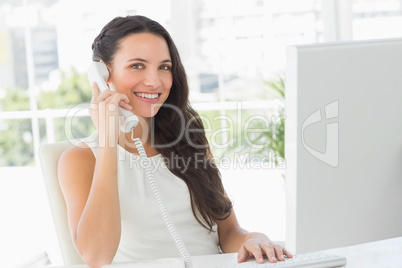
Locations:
{"points": [[233, 238], [91, 193], [231, 235], [90, 186]]}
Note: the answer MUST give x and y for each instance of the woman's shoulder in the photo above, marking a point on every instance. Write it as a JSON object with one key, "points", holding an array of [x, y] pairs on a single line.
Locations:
{"points": [[80, 151], [77, 159]]}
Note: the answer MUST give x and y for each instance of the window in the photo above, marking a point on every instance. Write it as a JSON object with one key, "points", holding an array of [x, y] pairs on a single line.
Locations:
{"points": [[376, 19]]}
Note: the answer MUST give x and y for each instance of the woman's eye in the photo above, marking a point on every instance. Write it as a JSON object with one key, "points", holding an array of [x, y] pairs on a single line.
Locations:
{"points": [[165, 67], [137, 66]]}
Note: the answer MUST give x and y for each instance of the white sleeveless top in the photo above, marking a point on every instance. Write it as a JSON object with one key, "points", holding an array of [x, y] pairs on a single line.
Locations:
{"points": [[143, 232]]}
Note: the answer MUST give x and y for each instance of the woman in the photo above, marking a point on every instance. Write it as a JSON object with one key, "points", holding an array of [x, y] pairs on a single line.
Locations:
{"points": [[112, 213]]}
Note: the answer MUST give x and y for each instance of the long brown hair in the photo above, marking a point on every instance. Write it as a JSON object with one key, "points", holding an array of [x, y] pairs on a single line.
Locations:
{"points": [[177, 129]]}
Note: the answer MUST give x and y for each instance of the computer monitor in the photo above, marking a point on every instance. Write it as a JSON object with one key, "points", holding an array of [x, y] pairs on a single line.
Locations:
{"points": [[343, 144]]}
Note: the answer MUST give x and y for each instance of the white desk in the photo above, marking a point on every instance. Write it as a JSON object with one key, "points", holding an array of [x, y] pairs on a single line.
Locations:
{"points": [[385, 253]]}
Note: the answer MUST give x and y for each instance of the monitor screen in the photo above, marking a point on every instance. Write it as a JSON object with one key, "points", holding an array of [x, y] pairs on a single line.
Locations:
{"points": [[343, 144]]}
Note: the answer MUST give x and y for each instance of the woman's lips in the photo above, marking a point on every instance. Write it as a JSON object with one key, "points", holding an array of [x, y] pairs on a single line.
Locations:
{"points": [[147, 97]]}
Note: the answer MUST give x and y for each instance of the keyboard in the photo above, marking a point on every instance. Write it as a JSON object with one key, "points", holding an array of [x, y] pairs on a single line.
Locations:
{"points": [[307, 260]]}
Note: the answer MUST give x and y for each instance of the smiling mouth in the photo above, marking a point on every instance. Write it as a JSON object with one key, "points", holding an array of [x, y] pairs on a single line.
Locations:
{"points": [[147, 96]]}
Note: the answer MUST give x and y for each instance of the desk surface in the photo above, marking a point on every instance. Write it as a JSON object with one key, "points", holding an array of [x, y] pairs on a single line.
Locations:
{"points": [[379, 254], [384, 253]]}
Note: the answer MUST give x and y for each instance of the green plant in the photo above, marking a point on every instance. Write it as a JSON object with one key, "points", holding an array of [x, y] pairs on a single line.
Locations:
{"points": [[16, 145], [276, 137], [268, 143], [73, 89]]}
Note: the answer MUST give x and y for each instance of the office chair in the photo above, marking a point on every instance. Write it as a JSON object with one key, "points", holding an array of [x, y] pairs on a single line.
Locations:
{"points": [[49, 155]]}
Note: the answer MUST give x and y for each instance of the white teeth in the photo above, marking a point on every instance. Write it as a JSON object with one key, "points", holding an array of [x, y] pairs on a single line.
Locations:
{"points": [[147, 96]]}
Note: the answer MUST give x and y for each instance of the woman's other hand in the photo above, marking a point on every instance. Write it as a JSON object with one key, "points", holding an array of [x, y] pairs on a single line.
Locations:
{"points": [[257, 245]]}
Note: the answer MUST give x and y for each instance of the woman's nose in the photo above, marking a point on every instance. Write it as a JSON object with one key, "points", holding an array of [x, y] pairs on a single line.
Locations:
{"points": [[152, 79]]}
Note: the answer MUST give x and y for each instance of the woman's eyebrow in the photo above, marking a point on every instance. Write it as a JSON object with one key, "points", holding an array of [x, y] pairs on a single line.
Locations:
{"points": [[137, 59], [144, 60]]}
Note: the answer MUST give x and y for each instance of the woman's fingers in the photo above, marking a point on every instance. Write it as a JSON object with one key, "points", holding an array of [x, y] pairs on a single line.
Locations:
{"points": [[287, 253], [270, 252], [110, 101], [95, 91], [125, 105], [258, 249], [103, 96], [248, 250], [120, 100], [242, 254], [104, 104], [98, 96], [116, 99]]}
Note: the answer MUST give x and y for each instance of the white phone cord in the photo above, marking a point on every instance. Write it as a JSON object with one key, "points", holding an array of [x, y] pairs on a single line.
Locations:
{"points": [[165, 215]]}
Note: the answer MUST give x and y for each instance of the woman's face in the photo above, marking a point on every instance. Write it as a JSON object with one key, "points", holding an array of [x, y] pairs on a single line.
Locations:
{"points": [[141, 69]]}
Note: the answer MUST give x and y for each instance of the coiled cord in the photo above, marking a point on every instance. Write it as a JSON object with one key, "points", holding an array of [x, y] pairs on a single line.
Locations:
{"points": [[161, 204]]}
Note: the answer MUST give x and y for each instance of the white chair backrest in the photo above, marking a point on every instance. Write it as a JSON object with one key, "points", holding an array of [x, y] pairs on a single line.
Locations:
{"points": [[49, 156]]}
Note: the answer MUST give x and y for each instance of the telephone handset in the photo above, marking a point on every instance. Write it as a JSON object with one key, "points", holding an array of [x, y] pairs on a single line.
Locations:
{"points": [[99, 74]]}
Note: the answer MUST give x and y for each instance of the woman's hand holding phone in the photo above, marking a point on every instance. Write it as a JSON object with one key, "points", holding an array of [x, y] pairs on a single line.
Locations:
{"points": [[104, 113]]}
